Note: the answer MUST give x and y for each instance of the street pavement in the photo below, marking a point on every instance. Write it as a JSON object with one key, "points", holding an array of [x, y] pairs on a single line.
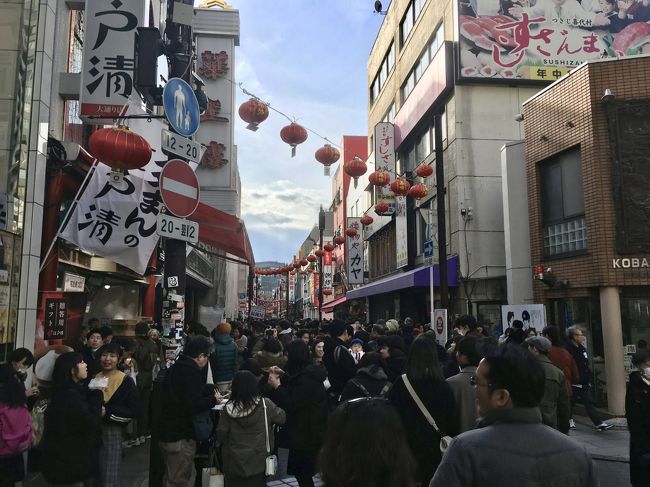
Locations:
{"points": [[609, 449]]}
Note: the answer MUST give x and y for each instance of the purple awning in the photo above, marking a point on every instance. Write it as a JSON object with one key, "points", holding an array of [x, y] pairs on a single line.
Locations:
{"points": [[418, 277]]}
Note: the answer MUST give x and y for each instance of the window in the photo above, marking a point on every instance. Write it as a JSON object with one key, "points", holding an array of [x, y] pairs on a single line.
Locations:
{"points": [[407, 24], [382, 74], [408, 86], [422, 63], [390, 114], [563, 209]]}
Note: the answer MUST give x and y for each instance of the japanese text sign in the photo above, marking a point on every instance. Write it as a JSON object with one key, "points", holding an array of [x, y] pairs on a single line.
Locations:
{"points": [[108, 58], [544, 40], [384, 152], [401, 232], [56, 316], [328, 275], [354, 251]]}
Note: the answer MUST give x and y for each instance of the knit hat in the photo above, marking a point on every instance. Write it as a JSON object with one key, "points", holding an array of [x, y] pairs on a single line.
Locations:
{"points": [[356, 341], [224, 328], [542, 344]]}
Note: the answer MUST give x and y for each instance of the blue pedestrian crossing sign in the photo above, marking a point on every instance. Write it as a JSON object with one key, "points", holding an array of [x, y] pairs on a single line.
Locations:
{"points": [[428, 249], [181, 108]]}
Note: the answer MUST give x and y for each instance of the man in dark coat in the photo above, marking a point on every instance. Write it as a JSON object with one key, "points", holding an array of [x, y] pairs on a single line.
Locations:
{"points": [[337, 359], [582, 390], [184, 395], [146, 356], [637, 412]]}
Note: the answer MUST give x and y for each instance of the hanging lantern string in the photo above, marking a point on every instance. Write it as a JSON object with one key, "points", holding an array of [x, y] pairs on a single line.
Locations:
{"points": [[291, 120]]}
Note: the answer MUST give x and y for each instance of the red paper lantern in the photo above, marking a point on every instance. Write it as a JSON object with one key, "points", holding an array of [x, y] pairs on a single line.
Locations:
{"points": [[253, 112], [310, 270], [366, 220], [120, 148], [302, 273], [312, 258], [339, 240], [379, 178], [296, 265], [328, 247], [418, 191], [400, 187], [319, 253], [327, 292], [351, 232], [355, 168], [293, 134], [381, 207], [327, 155], [304, 262], [424, 170]]}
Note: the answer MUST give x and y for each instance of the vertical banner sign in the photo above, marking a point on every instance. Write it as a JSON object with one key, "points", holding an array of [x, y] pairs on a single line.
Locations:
{"points": [[401, 244], [440, 325], [108, 58], [56, 316], [385, 160], [354, 251], [292, 287], [327, 271]]}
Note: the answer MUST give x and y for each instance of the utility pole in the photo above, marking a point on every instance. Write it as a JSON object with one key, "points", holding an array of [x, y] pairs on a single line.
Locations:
{"points": [[321, 229], [440, 200]]}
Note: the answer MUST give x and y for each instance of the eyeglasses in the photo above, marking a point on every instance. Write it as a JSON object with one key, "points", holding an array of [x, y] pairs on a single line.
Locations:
{"points": [[474, 381]]}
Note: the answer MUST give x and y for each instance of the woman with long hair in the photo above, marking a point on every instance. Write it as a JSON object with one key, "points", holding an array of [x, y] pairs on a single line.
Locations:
{"points": [[425, 377], [305, 401], [242, 431], [72, 435], [366, 446]]}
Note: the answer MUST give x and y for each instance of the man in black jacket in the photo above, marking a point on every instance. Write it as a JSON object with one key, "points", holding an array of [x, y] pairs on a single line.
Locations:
{"points": [[184, 395], [337, 359], [582, 391]]}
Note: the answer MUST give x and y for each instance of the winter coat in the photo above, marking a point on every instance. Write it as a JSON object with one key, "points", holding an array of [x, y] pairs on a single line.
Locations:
{"points": [[579, 354], [304, 399], [370, 381], [438, 398], [563, 359], [267, 359], [92, 361], [224, 358], [637, 412], [146, 356], [395, 364], [122, 407], [512, 448], [465, 397], [243, 438], [555, 406], [184, 394], [72, 436], [339, 363]]}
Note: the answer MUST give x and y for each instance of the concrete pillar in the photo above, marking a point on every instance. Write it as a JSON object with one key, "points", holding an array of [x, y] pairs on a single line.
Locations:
{"points": [[610, 311]]}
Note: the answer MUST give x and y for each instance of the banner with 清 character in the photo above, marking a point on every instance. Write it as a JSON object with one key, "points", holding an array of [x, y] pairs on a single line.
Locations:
{"points": [[542, 40]]}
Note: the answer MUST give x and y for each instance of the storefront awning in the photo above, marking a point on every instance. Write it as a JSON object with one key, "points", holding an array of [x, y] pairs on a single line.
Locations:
{"points": [[224, 231], [329, 306], [418, 277]]}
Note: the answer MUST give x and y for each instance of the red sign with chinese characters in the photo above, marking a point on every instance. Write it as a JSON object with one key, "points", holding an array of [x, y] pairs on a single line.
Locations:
{"points": [[544, 40]]}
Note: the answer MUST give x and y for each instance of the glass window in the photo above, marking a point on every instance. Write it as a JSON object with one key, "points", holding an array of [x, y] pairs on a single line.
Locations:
{"points": [[408, 86], [417, 72], [390, 57], [380, 80], [423, 147], [407, 23], [424, 60], [419, 4], [374, 90]]}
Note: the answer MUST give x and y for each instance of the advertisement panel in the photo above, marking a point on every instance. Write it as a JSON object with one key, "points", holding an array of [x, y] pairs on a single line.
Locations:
{"points": [[385, 160], [354, 247], [328, 275], [543, 40], [401, 232], [108, 58], [531, 315]]}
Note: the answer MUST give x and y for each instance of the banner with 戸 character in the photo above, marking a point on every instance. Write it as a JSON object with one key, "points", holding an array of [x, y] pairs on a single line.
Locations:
{"points": [[543, 40]]}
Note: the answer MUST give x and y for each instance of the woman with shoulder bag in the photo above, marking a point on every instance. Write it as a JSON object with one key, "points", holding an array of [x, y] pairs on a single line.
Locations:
{"points": [[422, 395], [245, 432]]}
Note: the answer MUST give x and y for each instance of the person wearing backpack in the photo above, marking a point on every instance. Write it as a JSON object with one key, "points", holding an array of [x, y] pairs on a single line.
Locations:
{"points": [[370, 380], [15, 418]]}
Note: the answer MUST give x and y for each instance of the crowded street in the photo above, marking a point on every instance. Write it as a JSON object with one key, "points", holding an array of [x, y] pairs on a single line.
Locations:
{"points": [[353, 243]]}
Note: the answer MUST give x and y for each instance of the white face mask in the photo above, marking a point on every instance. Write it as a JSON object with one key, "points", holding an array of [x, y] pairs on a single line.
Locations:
{"points": [[646, 372]]}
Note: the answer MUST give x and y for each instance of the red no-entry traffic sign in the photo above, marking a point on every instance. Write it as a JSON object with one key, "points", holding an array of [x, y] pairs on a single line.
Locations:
{"points": [[179, 188]]}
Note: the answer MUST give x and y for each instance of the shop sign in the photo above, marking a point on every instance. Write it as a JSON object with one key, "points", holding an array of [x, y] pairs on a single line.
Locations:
{"points": [[545, 40], [56, 316], [292, 287], [108, 58], [257, 312], [354, 252], [73, 283], [328, 275], [630, 263], [384, 149], [401, 232]]}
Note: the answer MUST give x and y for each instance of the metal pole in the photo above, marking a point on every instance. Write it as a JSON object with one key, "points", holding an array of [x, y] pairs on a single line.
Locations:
{"points": [[440, 200], [321, 228], [430, 221], [288, 283]]}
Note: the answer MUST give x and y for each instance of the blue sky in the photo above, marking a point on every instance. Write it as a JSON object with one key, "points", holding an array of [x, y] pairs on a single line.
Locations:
{"points": [[308, 59]]}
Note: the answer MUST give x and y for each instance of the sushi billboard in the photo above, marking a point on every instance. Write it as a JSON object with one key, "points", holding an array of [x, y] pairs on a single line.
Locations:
{"points": [[543, 40]]}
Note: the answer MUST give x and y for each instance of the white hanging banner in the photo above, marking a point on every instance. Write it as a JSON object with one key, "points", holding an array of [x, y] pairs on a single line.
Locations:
{"points": [[354, 251], [385, 160], [401, 244], [292, 287], [328, 275]]}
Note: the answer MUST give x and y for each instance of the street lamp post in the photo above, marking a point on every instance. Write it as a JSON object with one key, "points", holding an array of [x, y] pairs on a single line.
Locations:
{"points": [[440, 200], [321, 228]]}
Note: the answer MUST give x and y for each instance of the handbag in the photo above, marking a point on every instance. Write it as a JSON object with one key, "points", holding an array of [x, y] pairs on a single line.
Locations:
{"points": [[212, 476], [271, 465], [445, 440]]}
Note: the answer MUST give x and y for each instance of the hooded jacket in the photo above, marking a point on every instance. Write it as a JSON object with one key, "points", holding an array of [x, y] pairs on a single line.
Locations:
{"points": [[370, 381], [224, 358], [243, 439], [267, 359]]}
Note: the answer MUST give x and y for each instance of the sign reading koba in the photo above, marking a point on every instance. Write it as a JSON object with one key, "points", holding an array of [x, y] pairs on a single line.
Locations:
{"points": [[630, 263]]}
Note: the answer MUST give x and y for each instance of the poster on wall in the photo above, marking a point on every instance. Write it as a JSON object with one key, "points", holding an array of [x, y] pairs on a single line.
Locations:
{"points": [[531, 315], [440, 325], [354, 252], [543, 40], [47, 329]]}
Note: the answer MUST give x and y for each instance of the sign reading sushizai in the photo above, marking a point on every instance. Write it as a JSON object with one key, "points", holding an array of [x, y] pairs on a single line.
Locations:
{"points": [[545, 39], [108, 58]]}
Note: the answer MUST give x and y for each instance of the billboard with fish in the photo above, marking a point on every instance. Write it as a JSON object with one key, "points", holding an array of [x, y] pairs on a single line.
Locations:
{"points": [[542, 40]]}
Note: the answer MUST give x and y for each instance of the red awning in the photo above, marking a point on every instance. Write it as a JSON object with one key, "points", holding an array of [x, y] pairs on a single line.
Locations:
{"points": [[224, 231], [327, 307]]}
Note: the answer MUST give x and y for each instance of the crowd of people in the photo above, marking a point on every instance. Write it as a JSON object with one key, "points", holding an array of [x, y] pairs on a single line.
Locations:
{"points": [[378, 405]]}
